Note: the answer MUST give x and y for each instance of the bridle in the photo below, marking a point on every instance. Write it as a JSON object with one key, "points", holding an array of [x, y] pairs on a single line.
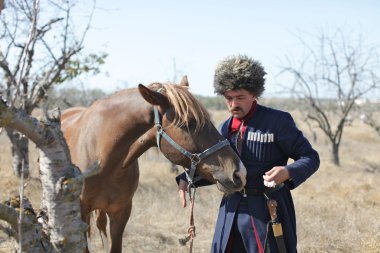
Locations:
{"points": [[195, 158]]}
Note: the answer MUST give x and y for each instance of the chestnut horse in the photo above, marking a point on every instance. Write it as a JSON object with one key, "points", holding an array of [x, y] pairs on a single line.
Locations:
{"points": [[116, 130]]}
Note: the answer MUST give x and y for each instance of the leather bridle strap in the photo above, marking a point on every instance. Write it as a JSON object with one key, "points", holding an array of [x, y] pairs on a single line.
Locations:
{"points": [[194, 158]]}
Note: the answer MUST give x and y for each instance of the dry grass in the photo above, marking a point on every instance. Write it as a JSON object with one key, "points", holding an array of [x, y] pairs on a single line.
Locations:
{"points": [[337, 208]]}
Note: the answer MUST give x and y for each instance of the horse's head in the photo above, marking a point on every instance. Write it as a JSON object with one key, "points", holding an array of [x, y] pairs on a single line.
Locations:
{"points": [[187, 137]]}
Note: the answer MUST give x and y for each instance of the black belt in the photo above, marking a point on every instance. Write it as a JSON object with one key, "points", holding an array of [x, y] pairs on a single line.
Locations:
{"points": [[257, 192]]}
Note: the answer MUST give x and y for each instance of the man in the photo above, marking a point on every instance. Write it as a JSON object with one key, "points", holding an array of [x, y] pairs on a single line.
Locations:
{"points": [[265, 139]]}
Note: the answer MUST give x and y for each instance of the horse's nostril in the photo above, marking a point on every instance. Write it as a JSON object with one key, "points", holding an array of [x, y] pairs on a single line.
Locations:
{"points": [[237, 179]]}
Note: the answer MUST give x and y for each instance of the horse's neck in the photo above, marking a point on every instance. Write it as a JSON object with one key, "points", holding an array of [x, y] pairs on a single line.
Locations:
{"points": [[131, 121], [139, 147], [130, 114]]}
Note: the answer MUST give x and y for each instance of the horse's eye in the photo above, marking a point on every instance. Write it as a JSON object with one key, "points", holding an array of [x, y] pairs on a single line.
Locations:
{"points": [[192, 124]]}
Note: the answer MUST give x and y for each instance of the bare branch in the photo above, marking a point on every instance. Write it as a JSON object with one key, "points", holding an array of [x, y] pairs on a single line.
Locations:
{"points": [[27, 54], [22, 122], [369, 120], [41, 46], [8, 74]]}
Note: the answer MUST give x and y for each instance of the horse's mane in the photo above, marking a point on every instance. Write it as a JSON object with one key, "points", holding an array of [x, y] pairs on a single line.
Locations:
{"points": [[186, 106]]}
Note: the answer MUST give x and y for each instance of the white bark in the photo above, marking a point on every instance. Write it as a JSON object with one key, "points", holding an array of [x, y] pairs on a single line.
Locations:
{"points": [[32, 236], [61, 190], [61, 180]]}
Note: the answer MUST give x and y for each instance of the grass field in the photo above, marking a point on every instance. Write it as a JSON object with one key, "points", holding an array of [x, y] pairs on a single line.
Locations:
{"points": [[337, 208]]}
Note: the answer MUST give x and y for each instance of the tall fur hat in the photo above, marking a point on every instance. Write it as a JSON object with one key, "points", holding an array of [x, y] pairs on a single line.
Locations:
{"points": [[239, 72]]}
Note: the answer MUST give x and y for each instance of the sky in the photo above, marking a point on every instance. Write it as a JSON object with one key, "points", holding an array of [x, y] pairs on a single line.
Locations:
{"points": [[162, 40]]}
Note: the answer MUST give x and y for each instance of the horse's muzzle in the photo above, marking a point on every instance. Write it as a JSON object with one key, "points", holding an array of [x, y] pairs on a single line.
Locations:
{"points": [[235, 182], [241, 174]]}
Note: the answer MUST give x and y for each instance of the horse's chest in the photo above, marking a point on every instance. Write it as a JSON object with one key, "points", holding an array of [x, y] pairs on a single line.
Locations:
{"points": [[104, 190]]}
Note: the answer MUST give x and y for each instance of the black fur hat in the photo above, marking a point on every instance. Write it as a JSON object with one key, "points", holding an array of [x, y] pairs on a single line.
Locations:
{"points": [[239, 72]]}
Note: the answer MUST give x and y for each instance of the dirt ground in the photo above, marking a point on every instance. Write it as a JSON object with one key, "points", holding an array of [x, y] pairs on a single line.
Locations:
{"points": [[337, 208]]}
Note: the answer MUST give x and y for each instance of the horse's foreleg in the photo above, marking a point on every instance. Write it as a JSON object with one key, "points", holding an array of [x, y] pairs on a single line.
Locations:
{"points": [[118, 220]]}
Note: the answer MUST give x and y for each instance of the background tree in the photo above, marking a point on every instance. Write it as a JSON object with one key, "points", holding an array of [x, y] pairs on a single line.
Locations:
{"points": [[41, 44], [369, 114], [72, 96], [335, 71]]}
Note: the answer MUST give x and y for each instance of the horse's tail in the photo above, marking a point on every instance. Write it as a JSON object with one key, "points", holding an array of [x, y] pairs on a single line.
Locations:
{"points": [[101, 223]]}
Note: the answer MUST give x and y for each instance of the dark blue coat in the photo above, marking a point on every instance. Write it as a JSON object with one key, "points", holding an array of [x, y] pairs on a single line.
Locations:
{"points": [[270, 139]]}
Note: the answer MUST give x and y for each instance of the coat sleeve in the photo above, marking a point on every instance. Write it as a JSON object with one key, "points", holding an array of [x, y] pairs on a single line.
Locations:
{"points": [[294, 144]]}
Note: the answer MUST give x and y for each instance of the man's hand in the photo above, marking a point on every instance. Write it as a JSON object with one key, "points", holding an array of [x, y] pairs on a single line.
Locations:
{"points": [[276, 175], [182, 189]]}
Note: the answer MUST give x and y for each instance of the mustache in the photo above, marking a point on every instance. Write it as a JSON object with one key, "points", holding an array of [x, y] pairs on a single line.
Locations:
{"points": [[237, 108]]}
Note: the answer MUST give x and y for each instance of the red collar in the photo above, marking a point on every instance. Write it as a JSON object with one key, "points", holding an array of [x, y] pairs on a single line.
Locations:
{"points": [[235, 124]]}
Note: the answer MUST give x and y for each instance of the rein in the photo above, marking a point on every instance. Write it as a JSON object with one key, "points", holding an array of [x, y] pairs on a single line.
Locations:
{"points": [[191, 230], [195, 159]]}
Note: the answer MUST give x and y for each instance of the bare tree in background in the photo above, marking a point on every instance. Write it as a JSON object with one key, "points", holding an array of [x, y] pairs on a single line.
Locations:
{"points": [[334, 73], [177, 73], [72, 96], [367, 116], [40, 46]]}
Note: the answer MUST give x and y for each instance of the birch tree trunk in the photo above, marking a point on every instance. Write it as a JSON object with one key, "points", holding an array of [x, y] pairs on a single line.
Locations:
{"points": [[61, 180], [32, 235], [61, 186]]}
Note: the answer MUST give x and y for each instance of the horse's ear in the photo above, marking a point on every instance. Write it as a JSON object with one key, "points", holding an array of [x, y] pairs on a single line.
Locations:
{"points": [[184, 81], [153, 97]]}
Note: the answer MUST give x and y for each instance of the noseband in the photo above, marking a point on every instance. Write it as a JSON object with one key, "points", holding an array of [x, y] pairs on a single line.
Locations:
{"points": [[194, 158]]}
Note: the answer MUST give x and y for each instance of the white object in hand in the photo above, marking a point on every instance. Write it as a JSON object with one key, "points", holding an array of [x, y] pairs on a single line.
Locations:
{"points": [[270, 184]]}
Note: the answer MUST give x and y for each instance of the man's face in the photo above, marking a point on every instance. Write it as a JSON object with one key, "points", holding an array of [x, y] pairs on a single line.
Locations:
{"points": [[239, 102]]}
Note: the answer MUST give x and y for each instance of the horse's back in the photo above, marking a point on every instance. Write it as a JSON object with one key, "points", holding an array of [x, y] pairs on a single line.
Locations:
{"points": [[69, 115], [70, 126], [70, 121]]}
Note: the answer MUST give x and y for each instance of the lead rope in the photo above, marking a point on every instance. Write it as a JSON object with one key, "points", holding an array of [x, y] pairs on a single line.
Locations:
{"points": [[191, 230]]}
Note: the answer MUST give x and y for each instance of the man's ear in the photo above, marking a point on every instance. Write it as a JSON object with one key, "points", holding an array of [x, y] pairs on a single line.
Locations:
{"points": [[153, 97]]}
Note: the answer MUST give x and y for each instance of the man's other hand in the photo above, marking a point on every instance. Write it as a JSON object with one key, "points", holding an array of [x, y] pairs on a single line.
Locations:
{"points": [[277, 174]]}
